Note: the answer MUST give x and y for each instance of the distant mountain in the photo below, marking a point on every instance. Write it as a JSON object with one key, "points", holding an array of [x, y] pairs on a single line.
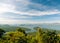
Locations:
{"points": [[55, 26], [11, 27]]}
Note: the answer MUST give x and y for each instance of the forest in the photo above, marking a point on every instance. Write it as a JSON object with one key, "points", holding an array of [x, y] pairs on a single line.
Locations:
{"points": [[21, 36]]}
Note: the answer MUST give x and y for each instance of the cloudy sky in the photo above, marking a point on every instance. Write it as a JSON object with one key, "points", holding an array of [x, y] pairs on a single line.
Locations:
{"points": [[29, 11]]}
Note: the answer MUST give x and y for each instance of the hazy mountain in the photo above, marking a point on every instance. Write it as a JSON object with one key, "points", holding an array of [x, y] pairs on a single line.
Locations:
{"points": [[12, 27]]}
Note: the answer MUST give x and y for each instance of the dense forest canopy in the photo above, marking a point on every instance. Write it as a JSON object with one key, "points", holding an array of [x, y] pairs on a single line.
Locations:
{"points": [[21, 36]]}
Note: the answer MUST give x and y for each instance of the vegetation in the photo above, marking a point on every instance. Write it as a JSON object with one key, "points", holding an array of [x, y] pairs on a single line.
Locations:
{"points": [[21, 36]]}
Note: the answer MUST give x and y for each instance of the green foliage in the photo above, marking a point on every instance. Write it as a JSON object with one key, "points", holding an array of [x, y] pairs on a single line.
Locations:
{"points": [[50, 37], [14, 37], [20, 30], [20, 36], [1, 32]]}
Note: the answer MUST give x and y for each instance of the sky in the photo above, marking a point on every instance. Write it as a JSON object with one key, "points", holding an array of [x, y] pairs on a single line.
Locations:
{"points": [[29, 11]]}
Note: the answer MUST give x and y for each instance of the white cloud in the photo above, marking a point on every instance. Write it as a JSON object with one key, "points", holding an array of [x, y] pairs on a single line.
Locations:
{"points": [[18, 17], [7, 1], [9, 21], [37, 13], [23, 3], [33, 12], [6, 8], [12, 8]]}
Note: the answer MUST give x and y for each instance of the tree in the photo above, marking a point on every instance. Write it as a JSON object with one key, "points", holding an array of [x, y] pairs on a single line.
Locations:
{"points": [[50, 37], [21, 30], [1, 32], [39, 35], [15, 37]]}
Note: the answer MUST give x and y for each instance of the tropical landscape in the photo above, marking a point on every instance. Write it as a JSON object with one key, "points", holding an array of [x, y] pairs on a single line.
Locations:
{"points": [[29, 21], [22, 34]]}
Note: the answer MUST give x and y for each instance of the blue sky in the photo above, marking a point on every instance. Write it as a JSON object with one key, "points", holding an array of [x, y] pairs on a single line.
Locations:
{"points": [[29, 11]]}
